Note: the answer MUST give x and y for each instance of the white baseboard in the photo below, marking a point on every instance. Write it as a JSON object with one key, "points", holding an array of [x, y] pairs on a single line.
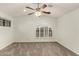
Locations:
{"points": [[65, 45], [2, 46]]}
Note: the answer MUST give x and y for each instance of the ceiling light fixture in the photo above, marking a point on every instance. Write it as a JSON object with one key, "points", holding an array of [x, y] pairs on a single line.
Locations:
{"points": [[24, 10], [38, 13]]}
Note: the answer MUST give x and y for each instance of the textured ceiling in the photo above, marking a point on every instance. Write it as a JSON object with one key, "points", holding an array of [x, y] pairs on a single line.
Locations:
{"points": [[17, 9]]}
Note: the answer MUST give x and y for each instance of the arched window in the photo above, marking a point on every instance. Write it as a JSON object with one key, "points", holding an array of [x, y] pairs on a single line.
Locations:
{"points": [[37, 32], [44, 32], [41, 32], [50, 32]]}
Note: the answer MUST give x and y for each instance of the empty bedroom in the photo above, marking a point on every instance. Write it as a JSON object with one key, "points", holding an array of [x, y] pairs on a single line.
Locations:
{"points": [[39, 29]]}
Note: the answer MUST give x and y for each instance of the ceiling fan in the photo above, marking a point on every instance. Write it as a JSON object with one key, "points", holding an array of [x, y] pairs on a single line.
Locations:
{"points": [[39, 10]]}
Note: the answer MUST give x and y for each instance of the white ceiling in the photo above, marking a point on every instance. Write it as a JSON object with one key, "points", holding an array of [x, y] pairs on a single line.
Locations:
{"points": [[17, 9]]}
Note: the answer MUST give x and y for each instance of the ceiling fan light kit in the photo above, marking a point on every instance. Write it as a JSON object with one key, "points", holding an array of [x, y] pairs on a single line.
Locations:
{"points": [[38, 13], [24, 10]]}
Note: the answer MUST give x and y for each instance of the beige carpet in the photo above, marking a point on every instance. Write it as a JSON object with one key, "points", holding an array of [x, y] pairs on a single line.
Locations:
{"points": [[36, 49]]}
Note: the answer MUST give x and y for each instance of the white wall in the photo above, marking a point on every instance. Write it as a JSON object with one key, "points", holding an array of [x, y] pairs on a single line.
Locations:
{"points": [[6, 33], [68, 31], [25, 28]]}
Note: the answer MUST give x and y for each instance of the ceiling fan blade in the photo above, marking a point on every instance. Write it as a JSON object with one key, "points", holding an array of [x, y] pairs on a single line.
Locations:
{"points": [[44, 6], [30, 8], [46, 12], [30, 13]]}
